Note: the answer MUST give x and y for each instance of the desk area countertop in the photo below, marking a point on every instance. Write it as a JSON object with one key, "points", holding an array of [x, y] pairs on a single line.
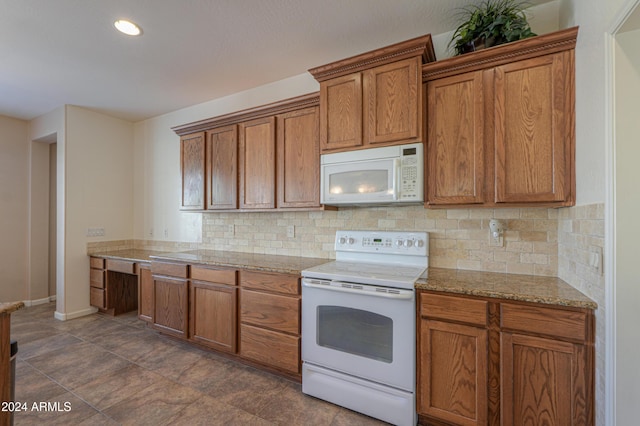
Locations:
{"points": [[249, 261]]}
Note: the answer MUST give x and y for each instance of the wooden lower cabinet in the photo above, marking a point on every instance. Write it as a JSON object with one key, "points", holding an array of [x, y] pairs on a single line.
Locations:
{"points": [[145, 293], [454, 359], [271, 348], [546, 365], [270, 320], [213, 309], [542, 382], [171, 298], [97, 281], [493, 362], [113, 285], [455, 380]]}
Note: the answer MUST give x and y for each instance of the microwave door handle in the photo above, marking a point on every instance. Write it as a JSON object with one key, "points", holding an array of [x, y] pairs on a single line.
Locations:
{"points": [[396, 179]]}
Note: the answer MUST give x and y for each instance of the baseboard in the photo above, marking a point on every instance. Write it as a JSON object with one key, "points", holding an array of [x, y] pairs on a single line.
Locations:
{"points": [[36, 302], [71, 315]]}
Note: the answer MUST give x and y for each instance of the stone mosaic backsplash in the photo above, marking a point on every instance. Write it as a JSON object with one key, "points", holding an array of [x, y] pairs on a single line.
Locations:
{"points": [[459, 238], [537, 241]]}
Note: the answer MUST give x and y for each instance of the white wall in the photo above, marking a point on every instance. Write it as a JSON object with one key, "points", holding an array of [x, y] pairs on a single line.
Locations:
{"points": [[51, 127], [627, 210], [39, 220], [98, 194], [14, 202], [594, 18]]}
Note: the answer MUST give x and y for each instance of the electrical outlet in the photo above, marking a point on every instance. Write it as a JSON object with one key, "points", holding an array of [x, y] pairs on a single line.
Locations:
{"points": [[496, 241], [151, 232], [595, 259], [496, 233], [95, 232], [231, 229], [166, 232], [291, 231]]}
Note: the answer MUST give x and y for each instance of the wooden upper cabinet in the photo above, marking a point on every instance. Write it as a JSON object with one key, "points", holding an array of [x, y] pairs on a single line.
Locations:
{"points": [[533, 125], [222, 168], [262, 158], [298, 159], [393, 102], [501, 126], [341, 112], [455, 147], [374, 98], [192, 169], [258, 163]]}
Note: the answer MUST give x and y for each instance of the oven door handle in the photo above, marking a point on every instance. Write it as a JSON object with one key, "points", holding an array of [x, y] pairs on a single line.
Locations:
{"points": [[388, 293]]}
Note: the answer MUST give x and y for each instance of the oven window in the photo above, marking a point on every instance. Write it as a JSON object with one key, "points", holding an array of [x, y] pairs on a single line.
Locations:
{"points": [[359, 182], [356, 332]]}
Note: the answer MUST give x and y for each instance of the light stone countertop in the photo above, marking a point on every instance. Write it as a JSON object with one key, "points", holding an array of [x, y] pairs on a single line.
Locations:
{"points": [[248, 261], [525, 288]]}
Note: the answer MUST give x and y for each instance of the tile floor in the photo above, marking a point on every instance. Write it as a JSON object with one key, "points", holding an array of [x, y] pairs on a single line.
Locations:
{"points": [[105, 370]]}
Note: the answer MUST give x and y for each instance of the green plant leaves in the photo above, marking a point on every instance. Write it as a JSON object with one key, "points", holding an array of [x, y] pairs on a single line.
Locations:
{"points": [[492, 21]]}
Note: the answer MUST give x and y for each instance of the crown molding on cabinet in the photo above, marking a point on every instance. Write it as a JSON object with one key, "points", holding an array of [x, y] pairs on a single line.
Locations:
{"points": [[498, 55], [279, 107], [419, 46]]}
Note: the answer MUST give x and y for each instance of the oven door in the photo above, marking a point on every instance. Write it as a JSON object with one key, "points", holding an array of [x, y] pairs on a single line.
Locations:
{"points": [[361, 330], [369, 181]]}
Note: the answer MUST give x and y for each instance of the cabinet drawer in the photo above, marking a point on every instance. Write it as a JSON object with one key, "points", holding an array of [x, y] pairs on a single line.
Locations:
{"points": [[279, 283], [453, 308], [97, 298], [96, 277], [268, 347], [273, 311], [96, 262], [124, 266], [222, 276], [171, 269], [547, 321]]}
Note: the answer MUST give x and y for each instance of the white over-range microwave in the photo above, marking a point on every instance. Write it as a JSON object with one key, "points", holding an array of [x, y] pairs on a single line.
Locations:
{"points": [[385, 175]]}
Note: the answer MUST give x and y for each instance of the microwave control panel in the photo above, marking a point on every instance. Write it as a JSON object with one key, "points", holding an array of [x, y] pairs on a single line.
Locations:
{"points": [[410, 173]]}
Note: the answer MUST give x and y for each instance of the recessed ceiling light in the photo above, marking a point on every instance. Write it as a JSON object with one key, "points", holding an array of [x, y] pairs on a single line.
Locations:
{"points": [[127, 27]]}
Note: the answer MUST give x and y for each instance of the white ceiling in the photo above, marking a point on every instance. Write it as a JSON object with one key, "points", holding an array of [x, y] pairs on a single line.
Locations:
{"points": [[56, 52]]}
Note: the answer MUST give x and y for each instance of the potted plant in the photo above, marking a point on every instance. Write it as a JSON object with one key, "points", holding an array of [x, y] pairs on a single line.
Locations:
{"points": [[490, 23]]}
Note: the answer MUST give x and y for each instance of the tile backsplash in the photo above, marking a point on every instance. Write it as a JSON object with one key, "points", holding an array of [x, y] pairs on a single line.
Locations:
{"points": [[459, 238]]}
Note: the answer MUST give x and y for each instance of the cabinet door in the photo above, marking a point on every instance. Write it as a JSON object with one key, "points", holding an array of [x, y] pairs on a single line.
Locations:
{"points": [[453, 384], [534, 129], [145, 295], [543, 382], [213, 315], [298, 159], [341, 112], [393, 102], [192, 168], [258, 163], [455, 145], [171, 309], [222, 168]]}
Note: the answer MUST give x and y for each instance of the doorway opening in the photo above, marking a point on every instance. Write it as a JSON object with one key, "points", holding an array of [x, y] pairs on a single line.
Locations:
{"points": [[43, 220]]}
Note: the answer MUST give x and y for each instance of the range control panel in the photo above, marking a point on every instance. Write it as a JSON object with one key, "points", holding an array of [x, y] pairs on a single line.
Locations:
{"points": [[387, 242]]}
